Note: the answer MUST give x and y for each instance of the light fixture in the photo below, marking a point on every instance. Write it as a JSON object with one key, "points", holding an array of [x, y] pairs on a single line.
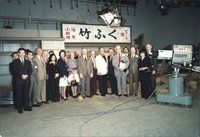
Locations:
{"points": [[110, 16], [8, 25], [163, 8]]}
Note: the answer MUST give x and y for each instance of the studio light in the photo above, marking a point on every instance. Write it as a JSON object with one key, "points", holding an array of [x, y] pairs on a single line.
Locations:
{"points": [[163, 8], [110, 16]]}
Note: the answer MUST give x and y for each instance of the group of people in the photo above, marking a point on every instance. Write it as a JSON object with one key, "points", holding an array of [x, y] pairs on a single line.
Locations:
{"points": [[38, 77]]}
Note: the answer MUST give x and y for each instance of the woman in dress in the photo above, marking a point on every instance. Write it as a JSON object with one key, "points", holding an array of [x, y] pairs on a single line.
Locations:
{"points": [[144, 67], [63, 68], [53, 73], [73, 78]]}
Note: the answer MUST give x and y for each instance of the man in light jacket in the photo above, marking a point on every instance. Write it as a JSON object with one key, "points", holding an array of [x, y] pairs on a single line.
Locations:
{"points": [[102, 70], [121, 63]]}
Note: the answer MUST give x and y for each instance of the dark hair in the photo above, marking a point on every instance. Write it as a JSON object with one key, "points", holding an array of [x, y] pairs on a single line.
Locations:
{"points": [[100, 48], [142, 51], [51, 51], [29, 51], [50, 58], [111, 48], [126, 48], [21, 49], [12, 55], [61, 52]]}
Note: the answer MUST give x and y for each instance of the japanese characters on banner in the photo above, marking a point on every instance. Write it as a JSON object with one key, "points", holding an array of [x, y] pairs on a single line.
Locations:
{"points": [[78, 33]]}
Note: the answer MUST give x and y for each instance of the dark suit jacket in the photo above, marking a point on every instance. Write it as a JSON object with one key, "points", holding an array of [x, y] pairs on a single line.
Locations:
{"points": [[20, 69], [11, 68], [144, 63], [110, 66], [153, 59], [63, 68], [52, 70]]}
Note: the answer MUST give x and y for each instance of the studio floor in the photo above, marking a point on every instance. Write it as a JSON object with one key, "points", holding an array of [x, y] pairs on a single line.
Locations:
{"points": [[109, 116]]}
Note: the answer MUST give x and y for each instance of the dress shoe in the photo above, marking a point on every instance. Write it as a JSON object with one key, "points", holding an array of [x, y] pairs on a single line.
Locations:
{"points": [[37, 105], [96, 93], [28, 109], [131, 94], [45, 102], [20, 111], [88, 96], [126, 95], [103, 95], [119, 95]]}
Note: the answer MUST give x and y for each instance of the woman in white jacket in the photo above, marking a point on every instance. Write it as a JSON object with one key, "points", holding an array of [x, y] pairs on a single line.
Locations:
{"points": [[102, 70]]}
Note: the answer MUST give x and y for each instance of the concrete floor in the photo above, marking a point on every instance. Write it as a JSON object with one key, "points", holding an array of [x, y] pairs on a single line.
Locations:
{"points": [[102, 116]]}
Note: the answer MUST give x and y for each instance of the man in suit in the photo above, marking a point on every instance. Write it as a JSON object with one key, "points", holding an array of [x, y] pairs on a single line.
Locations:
{"points": [[86, 72], [133, 72], [22, 72], [102, 70], [152, 55], [77, 57], [121, 63], [111, 75], [11, 68], [41, 65], [45, 56], [93, 80], [33, 91]]}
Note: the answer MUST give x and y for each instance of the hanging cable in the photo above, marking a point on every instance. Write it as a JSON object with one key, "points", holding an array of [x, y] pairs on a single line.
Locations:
{"points": [[51, 3], [88, 6], [77, 3], [71, 5], [34, 2], [24, 24], [29, 12], [127, 10], [97, 7], [60, 2]]}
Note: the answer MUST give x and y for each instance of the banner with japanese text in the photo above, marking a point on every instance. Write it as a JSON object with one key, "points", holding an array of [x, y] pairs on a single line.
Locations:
{"points": [[81, 33]]}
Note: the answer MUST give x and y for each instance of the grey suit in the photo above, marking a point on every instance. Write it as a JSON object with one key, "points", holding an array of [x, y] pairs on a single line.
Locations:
{"points": [[33, 91], [41, 79], [133, 74], [85, 68], [120, 74]]}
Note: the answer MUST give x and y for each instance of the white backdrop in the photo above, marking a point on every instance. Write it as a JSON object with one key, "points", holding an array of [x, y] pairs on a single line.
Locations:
{"points": [[78, 33]]}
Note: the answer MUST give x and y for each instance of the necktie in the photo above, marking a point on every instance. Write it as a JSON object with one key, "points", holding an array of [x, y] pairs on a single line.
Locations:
{"points": [[41, 60], [22, 60], [119, 57]]}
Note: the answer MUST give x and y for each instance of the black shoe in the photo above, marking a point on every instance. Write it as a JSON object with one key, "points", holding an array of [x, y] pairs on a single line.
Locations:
{"points": [[119, 95], [131, 94], [88, 96], [126, 95], [36, 105], [45, 102], [28, 109], [20, 111], [96, 94]]}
